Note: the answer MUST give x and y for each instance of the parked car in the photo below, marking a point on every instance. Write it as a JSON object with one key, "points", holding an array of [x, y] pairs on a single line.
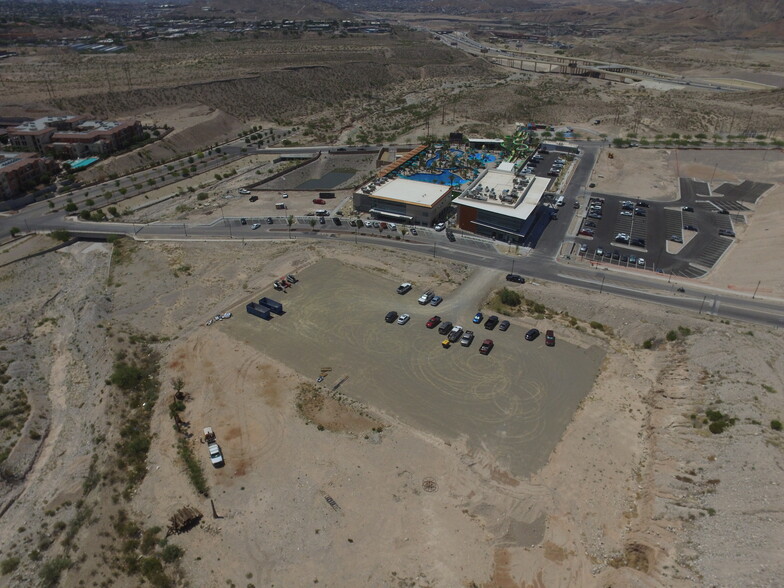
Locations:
{"points": [[439, 227], [687, 209], [455, 334], [641, 261], [433, 321], [583, 248], [478, 318], [676, 238], [690, 228], [319, 201], [322, 221], [642, 203], [632, 259], [445, 327], [503, 325], [599, 252], [549, 338], [337, 221], [269, 220], [486, 347], [436, 301], [426, 297], [586, 232], [531, 334], [244, 192], [255, 226], [491, 323], [468, 338], [515, 278], [414, 231], [726, 233], [243, 221], [391, 316], [253, 198], [638, 242], [403, 319], [404, 288], [451, 236]]}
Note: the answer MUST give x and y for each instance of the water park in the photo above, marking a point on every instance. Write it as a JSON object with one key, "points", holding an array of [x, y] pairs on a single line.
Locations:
{"points": [[439, 164]]}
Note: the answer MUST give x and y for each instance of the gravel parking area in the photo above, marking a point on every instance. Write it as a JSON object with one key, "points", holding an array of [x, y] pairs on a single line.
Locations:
{"points": [[515, 403]]}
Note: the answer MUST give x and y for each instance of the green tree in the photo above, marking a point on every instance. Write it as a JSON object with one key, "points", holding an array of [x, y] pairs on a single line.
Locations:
{"points": [[15, 231], [289, 222]]}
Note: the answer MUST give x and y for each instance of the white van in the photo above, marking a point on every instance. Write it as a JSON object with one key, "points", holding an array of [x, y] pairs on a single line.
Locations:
{"points": [[559, 201]]}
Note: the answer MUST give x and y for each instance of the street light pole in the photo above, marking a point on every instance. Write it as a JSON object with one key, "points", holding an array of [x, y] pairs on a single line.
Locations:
{"points": [[601, 288]]}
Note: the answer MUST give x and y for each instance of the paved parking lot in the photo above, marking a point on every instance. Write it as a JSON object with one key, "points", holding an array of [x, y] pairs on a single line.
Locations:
{"points": [[514, 403], [698, 227], [746, 191]]}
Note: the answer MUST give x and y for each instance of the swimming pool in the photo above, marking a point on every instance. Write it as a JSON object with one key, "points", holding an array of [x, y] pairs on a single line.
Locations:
{"points": [[80, 163], [446, 178]]}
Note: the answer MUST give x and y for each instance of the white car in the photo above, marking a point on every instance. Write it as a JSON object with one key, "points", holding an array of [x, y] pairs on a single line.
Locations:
{"points": [[392, 226], [641, 261], [403, 319], [255, 226], [244, 191], [369, 224], [284, 195], [440, 227]]}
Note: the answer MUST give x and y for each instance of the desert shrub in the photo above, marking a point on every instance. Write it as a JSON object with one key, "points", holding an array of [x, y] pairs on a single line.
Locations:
{"points": [[672, 336], [193, 467], [596, 325], [8, 565], [647, 344], [775, 424], [202, 196], [60, 235], [126, 376], [171, 553], [510, 297], [50, 572]]}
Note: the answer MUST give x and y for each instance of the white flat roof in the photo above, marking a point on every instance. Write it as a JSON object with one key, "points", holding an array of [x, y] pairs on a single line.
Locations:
{"points": [[524, 205], [506, 166], [411, 192]]}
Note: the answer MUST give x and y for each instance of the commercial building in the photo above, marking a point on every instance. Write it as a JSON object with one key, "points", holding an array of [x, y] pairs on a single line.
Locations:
{"points": [[73, 136], [406, 201], [503, 206], [19, 172]]}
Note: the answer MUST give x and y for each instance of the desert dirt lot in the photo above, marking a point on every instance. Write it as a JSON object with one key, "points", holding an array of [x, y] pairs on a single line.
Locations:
{"points": [[625, 497], [513, 404]]}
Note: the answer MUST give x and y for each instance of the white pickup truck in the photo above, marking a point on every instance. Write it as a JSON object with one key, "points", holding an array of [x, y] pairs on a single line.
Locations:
{"points": [[216, 457]]}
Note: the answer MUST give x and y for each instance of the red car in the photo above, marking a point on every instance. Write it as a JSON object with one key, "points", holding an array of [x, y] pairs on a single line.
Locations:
{"points": [[549, 338], [319, 201], [487, 345], [433, 322]]}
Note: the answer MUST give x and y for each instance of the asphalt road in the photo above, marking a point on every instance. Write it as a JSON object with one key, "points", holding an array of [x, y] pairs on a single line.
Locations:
{"points": [[470, 249]]}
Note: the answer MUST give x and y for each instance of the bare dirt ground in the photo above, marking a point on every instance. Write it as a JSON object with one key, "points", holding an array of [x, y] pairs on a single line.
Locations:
{"points": [[653, 174], [637, 491]]}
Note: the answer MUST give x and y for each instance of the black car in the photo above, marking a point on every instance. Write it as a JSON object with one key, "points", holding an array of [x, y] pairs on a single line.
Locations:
{"points": [[450, 235], [532, 334], [337, 221], [269, 220], [643, 204], [616, 255], [243, 221], [515, 278], [690, 228], [391, 316], [253, 198], [445, 327], [491, 323], [637, 242], [687, 209]]}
